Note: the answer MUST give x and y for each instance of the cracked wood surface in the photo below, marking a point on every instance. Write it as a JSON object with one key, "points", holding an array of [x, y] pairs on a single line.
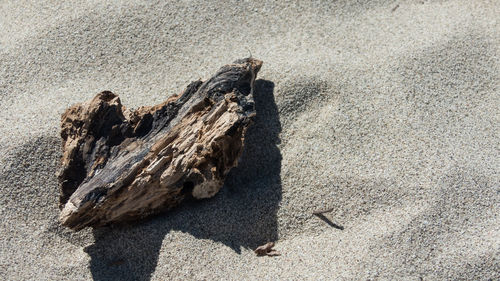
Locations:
{"points": [[121, 165]]}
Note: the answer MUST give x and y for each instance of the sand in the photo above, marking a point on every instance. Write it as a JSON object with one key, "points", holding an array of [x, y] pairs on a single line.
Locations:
{"points": [[387, 112]]}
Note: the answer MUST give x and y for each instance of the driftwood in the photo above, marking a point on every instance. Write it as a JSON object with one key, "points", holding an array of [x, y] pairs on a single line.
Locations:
{"points": [[120, 165]]}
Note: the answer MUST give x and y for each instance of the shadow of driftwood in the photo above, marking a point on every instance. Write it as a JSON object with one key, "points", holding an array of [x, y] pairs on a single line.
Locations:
{"points": [[243, 214]]}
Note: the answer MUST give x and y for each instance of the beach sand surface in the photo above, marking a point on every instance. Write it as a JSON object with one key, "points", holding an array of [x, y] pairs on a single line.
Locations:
{"points": [[387, 112]]}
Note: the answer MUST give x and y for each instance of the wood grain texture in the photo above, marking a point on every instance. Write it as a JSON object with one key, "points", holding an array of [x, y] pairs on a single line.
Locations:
{"points": [[120, 165]]}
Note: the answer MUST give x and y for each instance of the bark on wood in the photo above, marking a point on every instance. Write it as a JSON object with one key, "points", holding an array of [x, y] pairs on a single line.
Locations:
{"points": [[122, 165]]}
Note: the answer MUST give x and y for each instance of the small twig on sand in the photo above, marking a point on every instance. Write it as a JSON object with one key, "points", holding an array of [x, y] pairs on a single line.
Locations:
{"points": [[395, 8], [319, 212], [266, 250]]}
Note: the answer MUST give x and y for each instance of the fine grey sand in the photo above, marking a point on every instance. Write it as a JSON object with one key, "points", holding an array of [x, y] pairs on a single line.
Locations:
{"points": [[387, 112]]}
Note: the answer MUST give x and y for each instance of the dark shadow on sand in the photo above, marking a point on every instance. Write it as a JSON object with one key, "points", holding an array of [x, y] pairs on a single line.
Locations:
{"points": [[242, 214], [329, 222]]}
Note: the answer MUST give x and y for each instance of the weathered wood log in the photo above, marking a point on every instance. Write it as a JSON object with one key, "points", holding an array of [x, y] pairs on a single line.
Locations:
{"points": [[120, 165]]}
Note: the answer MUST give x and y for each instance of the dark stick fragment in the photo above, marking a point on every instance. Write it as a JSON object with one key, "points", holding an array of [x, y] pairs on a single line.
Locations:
{"points": [[329, 222], [319, 212]]}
